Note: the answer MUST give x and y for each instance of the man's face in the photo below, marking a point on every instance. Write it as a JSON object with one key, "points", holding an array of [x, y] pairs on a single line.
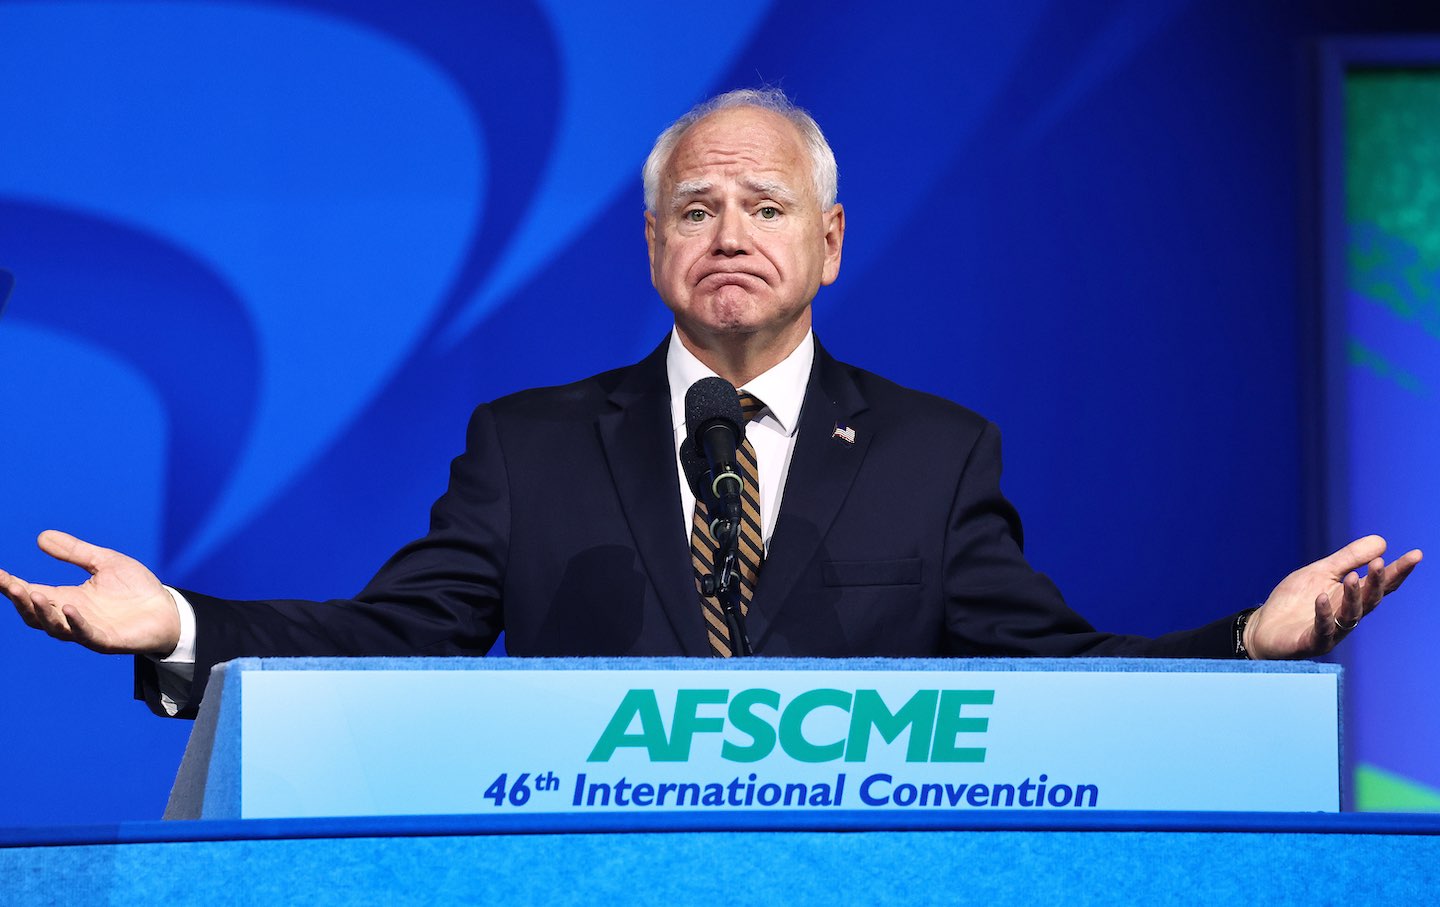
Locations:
{"points": [[738, 243]]}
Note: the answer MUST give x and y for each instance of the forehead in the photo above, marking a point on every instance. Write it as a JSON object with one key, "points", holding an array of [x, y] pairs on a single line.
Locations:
{"points": [[741, 140]]}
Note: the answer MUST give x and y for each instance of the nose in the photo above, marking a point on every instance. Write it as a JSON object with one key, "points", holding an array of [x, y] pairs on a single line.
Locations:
{"points": [[732, 233]]}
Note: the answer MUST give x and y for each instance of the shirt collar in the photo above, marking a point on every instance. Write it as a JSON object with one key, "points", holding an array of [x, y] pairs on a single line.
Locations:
{"points": [[781, 389]]}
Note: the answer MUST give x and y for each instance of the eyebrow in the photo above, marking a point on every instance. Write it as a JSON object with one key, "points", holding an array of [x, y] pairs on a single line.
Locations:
{"points": [[772, 189], [688, 189]]}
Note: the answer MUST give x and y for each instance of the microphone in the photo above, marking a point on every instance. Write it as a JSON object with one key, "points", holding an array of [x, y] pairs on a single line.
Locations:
{"points": [[714, 431], [715, 427]]}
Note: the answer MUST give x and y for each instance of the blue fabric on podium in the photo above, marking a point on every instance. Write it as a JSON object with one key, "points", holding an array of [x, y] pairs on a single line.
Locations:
{"points": [[1142, 858]]}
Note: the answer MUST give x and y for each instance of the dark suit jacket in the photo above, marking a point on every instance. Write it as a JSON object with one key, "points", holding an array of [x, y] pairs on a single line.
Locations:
{"points": [[562, 527]]}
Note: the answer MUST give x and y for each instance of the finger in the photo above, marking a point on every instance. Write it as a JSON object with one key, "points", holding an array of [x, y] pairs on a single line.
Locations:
{"points": [[18, 591], [66, 547], [14, 588], [1355, 555], [50, 617], [24, 597], [1326, 629], [82, 631], [1400, 568], [1352, 603], [1373, 588]]}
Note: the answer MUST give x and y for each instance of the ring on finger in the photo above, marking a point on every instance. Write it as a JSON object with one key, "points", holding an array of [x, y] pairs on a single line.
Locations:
{"points": [[1346, 628]]}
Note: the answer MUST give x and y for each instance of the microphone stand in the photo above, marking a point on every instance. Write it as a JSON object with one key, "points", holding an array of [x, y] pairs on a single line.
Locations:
{"points": [[727, 589]]}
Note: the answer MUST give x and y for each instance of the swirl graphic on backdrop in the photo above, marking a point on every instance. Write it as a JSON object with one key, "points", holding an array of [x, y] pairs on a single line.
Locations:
{"points": [[328, 178]]}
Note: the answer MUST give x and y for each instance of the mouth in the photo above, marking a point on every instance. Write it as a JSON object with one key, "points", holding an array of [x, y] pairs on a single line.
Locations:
{"points": [[731, 278]]}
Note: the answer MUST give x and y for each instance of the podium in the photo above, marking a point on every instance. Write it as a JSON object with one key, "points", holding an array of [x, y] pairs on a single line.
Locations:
{"points": [[691, 739], [354, 818]]}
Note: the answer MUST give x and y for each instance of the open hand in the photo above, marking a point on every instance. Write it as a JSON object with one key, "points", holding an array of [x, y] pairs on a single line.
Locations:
{"points": [[1320, 604], [121, 608]]}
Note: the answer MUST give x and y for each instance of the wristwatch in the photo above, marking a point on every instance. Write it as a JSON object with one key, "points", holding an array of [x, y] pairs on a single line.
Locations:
{"points": [[1241, 620]]}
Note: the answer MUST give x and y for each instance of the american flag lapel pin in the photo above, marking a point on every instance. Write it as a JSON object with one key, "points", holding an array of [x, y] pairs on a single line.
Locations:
{"points": [[844, 433]]}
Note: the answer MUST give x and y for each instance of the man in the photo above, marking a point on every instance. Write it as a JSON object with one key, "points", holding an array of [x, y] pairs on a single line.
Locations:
{"points": [[879, 528]]}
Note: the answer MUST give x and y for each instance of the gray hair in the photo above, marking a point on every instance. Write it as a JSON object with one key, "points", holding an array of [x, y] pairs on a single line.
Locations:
{"points": [[824, 173]]}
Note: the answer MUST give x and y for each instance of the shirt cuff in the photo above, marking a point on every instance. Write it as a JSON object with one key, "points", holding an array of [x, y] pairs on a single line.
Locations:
{"points": [[185, 649]]}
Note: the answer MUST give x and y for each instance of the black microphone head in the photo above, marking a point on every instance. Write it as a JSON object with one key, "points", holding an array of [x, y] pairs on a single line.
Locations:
{"points": [[710, 399]]}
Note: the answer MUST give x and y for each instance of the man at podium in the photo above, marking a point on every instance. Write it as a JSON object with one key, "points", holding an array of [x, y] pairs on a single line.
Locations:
{"points": [[848, 516]]}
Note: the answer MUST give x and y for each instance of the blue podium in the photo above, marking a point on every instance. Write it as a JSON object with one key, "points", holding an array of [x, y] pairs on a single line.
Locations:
{"points": [[682, 738]]}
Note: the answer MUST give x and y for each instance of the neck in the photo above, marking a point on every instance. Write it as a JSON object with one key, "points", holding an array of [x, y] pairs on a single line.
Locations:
{"points": [[741, 358]]}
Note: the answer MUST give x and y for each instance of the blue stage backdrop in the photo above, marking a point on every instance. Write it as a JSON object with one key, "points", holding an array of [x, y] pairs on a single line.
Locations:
{"points": [[1382, 338], [270, 254]]}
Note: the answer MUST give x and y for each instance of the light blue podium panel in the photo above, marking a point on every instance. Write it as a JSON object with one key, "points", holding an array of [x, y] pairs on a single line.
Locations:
{"points": [[683, 741]]}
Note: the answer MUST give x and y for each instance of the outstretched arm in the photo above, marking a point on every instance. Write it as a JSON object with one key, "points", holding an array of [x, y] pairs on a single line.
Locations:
{"points": [[121, 608], [1320, 604]]}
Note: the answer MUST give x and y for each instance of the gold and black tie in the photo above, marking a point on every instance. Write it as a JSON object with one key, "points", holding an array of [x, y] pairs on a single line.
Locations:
{"points": [[751, 550]]}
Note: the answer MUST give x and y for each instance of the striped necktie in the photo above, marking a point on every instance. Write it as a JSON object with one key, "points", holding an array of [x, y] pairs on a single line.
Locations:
{"points": [[703, 550]]}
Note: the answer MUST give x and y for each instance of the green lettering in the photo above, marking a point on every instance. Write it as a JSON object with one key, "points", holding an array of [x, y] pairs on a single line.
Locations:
{"points": [[871, 712], [688, 721], [651, 736], [949, 724], [744, 720], [792, 737]]}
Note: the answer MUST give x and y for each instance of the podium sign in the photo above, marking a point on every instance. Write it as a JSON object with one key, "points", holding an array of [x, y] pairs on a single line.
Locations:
{"points": [[822, 737]]}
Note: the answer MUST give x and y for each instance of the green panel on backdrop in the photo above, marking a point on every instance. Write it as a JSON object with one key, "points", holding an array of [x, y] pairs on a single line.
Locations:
{"points": [[1392, 165], [1392, 190], [1377, 790]]}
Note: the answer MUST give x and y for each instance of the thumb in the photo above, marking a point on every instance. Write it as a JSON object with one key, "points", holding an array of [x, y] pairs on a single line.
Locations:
{"points": [[66, 547], [1355, 555]]}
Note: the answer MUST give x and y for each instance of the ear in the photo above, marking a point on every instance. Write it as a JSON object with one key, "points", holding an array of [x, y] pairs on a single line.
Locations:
{"points": [[650, 241], [834, 222]]}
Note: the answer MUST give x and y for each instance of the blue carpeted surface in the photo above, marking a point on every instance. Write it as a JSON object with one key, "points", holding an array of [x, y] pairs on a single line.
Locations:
{"points": [[991, 866]]}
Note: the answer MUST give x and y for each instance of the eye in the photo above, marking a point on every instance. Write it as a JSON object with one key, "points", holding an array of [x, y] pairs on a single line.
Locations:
{"points": [[694, 215], [769, 212]]}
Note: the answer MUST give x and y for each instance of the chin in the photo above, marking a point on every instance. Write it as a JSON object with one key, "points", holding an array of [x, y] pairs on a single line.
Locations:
{"points": [[729, 316]]}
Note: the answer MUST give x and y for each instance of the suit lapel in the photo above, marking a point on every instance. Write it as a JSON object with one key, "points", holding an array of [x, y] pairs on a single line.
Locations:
{"points": [[822, 470], [639, 444]]}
